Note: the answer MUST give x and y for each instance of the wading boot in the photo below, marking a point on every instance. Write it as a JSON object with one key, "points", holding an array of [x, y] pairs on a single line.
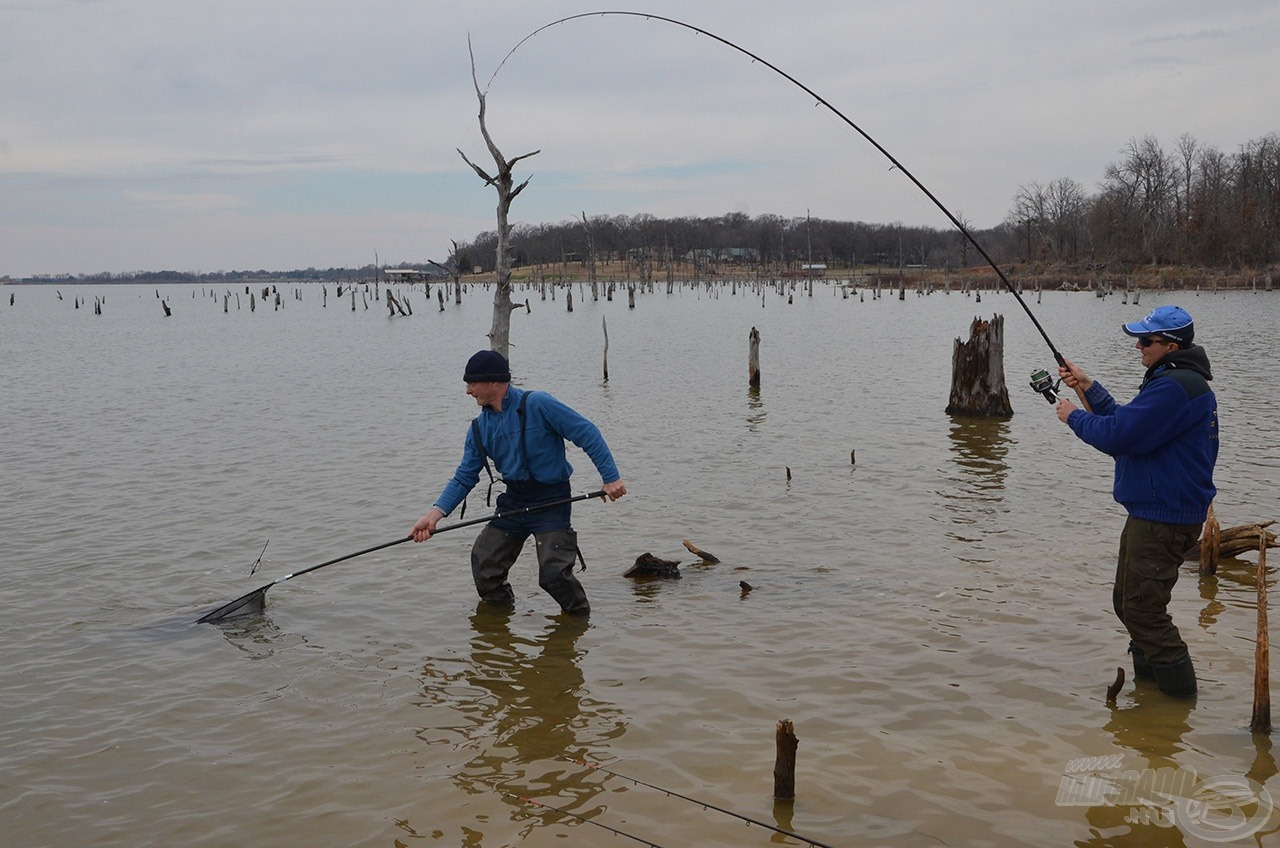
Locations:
{"points": [[492, 556], [1141, 665], [557, 552], [1176, 679]]}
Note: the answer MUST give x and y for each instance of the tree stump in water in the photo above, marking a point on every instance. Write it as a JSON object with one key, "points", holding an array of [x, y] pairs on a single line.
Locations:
{"points": [[650, 567], [784, 764], [1261, 720], [753, 358], [977, 372]]}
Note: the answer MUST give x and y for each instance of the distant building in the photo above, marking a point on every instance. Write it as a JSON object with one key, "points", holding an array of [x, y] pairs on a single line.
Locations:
{"points": [[725, 256]]}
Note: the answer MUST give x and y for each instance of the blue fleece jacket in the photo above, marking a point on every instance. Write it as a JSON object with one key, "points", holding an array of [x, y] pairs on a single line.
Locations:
{"points": [[1165, 440], [548, 424]]}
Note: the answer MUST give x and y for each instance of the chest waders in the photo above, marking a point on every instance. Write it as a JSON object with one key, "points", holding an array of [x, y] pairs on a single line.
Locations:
{"points": [[499, 544]]}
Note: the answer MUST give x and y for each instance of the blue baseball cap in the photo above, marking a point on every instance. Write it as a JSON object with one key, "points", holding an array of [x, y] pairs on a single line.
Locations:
{"points": [[1169, 321]]}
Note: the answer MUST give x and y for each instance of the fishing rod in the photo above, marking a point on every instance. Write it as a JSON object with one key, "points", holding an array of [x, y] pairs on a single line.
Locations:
{"points": [[704, 804], [256, 600], [564, 812], [824, 102]]}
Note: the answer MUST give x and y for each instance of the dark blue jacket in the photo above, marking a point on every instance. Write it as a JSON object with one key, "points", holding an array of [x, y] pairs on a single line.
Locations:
{"points": [[1165, 440]]}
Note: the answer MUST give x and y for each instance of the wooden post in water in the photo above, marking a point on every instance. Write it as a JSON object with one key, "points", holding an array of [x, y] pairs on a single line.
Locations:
{"points": [[753, 358], [977, 372], [784, 765], [1210, 544], [605, 326], [1261, 721]]}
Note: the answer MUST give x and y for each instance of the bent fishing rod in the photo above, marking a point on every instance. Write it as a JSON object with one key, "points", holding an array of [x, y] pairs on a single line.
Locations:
{"points": [[256, 601], [704, 804], [827, 104]]}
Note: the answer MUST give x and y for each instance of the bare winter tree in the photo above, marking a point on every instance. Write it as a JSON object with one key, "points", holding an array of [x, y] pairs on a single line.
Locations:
{"points": [[500, 329]]}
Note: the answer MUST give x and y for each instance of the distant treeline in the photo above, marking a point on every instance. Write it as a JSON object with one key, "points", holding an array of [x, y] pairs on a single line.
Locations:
{"points": [[1194, 206], [334, 275]]}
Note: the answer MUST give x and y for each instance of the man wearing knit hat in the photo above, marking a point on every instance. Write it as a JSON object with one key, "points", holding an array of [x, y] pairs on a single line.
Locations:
{"points": [[524, 433], [1165, 443]]}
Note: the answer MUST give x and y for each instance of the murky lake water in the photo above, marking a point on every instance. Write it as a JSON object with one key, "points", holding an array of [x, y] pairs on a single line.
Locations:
{"points": [[935, 618]]}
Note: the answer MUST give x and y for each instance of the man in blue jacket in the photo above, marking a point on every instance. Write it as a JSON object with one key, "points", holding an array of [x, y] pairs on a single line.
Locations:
{"points": [[1165, 443], [523, 433]]}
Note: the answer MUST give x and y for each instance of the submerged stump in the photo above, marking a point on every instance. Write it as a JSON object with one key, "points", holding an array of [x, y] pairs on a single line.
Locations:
{"points": [[977, 372], [650, 567]]}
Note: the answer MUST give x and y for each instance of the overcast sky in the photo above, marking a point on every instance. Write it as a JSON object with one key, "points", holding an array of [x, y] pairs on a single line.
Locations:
{"points": [[281, 134]]}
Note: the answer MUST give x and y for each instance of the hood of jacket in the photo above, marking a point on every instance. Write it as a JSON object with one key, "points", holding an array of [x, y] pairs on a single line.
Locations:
{"points": [[1191, 359]]}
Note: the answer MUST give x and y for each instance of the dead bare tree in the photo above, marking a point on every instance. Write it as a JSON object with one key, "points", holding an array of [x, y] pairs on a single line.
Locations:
{"points": [[500, 329]]}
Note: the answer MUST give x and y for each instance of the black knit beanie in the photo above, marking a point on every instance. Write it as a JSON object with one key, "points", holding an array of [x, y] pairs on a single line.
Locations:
{"points": [[487, 366]]}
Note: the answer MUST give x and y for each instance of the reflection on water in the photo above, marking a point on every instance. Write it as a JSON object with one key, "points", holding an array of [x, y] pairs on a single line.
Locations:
{"points": [[756, 413], [980, 447], [974, 500], [527, 716]]}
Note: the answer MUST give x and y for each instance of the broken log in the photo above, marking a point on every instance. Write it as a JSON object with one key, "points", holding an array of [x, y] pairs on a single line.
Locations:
{"points": [[650, 567], [977, 372], [706, 556], [393, 305]]}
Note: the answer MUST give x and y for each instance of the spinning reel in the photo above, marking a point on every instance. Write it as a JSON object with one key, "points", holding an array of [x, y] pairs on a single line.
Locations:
{"points": [[1044, 384]]}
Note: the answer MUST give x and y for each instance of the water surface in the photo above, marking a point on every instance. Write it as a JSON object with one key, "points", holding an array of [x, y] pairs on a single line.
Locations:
{"points": [[934, 617]]}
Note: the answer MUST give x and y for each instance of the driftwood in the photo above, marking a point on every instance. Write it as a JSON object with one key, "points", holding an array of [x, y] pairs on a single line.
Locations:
{"points": [[706, 556], [649, 567], [977, 372], [1235, 541]]}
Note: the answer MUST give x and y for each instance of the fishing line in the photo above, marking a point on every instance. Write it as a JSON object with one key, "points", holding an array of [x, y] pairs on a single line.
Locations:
{"points": [[577, 817], [705, 805], [822, 102], [257, 562]]}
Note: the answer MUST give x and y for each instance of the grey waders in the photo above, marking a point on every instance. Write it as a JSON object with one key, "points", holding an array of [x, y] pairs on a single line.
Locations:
{"points": [[495, 551]]}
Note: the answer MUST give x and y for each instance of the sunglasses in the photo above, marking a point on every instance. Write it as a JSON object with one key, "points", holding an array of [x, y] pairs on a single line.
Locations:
{"points": [[1148, 341]]}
